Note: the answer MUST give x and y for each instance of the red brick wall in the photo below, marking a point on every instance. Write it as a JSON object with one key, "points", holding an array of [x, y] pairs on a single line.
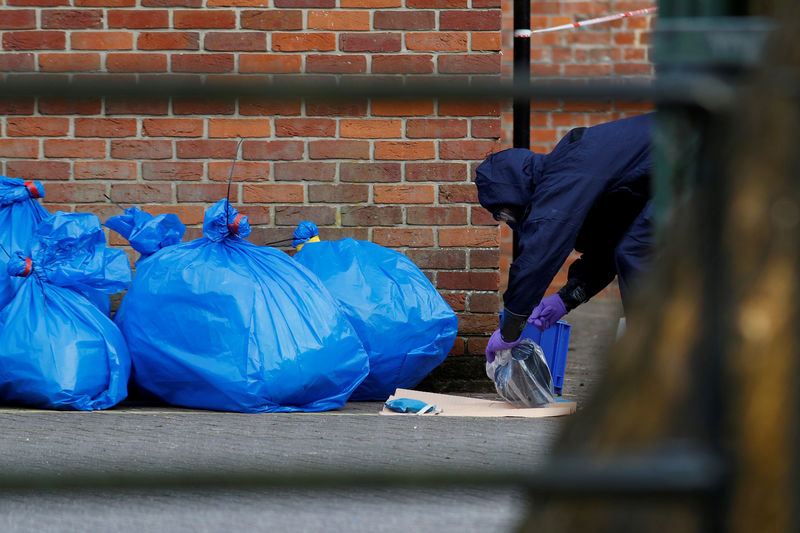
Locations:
{"points": [[398, 173]]}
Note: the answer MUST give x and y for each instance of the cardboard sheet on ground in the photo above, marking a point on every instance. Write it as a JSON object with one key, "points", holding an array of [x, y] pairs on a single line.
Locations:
{"points": [[465, 406]]}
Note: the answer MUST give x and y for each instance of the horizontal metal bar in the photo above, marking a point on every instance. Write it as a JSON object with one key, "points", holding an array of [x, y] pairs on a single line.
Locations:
{"points": [[571, 477], [696, 89]]}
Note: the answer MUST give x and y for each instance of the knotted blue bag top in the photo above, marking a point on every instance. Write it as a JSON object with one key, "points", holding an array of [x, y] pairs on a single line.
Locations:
{"points": [[147, 233]]}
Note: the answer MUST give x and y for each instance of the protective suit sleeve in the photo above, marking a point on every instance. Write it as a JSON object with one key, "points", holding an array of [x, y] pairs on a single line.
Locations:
{"points": [[587, 276]]}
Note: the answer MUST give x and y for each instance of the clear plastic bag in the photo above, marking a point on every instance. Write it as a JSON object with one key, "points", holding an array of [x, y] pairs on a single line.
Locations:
{"points": [[521, 375]]}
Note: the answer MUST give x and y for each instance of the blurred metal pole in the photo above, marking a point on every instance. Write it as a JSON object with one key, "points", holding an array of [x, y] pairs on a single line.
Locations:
{"points": [[522, 78]]}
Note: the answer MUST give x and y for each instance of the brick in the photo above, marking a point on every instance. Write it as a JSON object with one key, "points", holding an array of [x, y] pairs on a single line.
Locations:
{"points": [[457, 302], [340, 193], [467, 108], [438, 4], [439, 259], [243, 171], [76, 19], [472, 20], [189, 214], [328, 108], [105, 3], [402, 108], [404, 20], [237, 3], [205, 149], [482, 217], [172, 3], [138, 19], [272, 63], [272, 150], [135, 149], [229, 128], [256, 107], [483, 323], [371, 215], [370, 172], [436, 172], [57, 106], [485, 303], [105, 127], [302, 4], [256, 214], [136, 62], [294, 214], [371, 128], [339, 20], [467, 149], [172, 170], [469, 64], [79, 148], [458, 194], [437, 216], [403, 194], [633, 69], [487, 128], [37, 127], [305, 127], [126, 106], [437, 42], [370, 42], [337, 64], [205, 192], [301, 171], [370, 4], [436, 128], [101, 40], [236, 41], [17, 106], [168, 40], [475, 281], [17, 62], [303, 42], [203, 63], [334, 234], [212, 18], [18, 19], [67, 62], [473, 237], [191, 106], [68, 193], [402, 64], [34, 40], [272, 20], [272, 193], [139, 193], [105, 170], [39, 170], [399, 237], [484, 258], [405, 150], [338, 149]]}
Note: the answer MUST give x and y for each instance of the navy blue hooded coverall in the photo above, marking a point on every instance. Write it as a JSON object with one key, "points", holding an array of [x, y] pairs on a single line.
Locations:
{"points": [[591, 194]]}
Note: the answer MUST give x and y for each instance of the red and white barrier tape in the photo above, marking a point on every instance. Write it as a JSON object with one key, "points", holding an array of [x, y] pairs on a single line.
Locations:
{"points": [[609, 18]]}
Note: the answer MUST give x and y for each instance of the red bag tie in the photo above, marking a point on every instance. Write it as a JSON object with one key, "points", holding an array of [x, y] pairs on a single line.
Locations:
{"points": [[235, 226], [32, 190], [28, 267]]}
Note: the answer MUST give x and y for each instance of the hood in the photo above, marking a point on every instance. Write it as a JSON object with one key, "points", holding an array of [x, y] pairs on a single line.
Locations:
{"points": [[507, 178]]}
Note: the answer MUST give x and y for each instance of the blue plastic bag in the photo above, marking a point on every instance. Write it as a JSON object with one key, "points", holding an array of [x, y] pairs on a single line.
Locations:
{"points": [[220, 323], [57, 349], [147, 233], [20, 215], [406, 326]]}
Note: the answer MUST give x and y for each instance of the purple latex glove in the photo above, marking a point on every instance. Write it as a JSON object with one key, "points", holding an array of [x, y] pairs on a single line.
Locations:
{"points": [[547, 312], [496, 343]]}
